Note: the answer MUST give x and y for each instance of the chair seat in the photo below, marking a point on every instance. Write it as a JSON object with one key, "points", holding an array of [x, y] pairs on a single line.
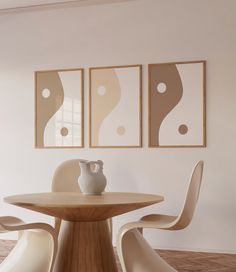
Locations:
{"points": [[9, 221], [161, 219]]}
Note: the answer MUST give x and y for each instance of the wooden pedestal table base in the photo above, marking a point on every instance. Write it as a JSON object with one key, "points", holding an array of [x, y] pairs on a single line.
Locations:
{"points": [[85, 247]]}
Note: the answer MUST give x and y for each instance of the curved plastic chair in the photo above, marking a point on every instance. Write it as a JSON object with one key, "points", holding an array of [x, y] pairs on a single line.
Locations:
{"points": [[65, 179], [135, 254], [35, 250]]}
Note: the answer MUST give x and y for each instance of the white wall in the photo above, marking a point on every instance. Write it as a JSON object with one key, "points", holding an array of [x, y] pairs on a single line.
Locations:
{"points": [[135, 32]]}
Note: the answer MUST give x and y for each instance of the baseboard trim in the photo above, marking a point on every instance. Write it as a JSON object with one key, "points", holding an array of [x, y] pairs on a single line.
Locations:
{"points": [[203, 250]]}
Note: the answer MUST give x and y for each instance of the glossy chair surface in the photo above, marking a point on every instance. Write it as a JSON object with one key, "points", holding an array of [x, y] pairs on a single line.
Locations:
{"points": [[135, 254], [36, 247], [65, 179]]}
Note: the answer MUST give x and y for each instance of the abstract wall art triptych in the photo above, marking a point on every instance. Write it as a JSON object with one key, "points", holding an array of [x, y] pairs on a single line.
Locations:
{"points": [[177, 106]]}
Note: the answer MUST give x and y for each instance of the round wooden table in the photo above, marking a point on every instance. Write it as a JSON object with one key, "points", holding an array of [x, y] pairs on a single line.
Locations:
{"points": [[84, 241]]}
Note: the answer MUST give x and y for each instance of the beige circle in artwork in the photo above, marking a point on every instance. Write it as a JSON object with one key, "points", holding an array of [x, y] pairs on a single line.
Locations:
{"points": [[64, 131], [183, 129], [161, 87], [120, 130], [101, 90], [46, 93]]}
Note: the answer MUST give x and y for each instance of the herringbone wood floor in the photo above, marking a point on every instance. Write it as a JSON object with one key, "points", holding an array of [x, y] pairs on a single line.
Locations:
{"points": [[183, 261]]}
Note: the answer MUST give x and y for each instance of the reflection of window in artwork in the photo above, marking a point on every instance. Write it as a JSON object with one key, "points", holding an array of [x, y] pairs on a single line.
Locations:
{"points": [[68, 123]]}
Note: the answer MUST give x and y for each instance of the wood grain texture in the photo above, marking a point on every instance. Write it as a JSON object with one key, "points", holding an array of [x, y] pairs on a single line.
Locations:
{"points": [[85, 246], [183, 261], [80, 207]]}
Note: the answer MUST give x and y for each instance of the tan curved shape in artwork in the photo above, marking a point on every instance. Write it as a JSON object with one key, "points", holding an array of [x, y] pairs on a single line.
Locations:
{"points": [[46, 107], [161, 103], [102, 103]]}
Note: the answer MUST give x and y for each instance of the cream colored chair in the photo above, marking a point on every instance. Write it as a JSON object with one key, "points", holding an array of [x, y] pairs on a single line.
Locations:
{"points": [[65, 179], [135, 254], [35, 250]]}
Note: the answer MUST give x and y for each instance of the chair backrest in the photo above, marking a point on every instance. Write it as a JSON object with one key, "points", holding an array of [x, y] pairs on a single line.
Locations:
{"points": [[65, 178], [188, 209]]}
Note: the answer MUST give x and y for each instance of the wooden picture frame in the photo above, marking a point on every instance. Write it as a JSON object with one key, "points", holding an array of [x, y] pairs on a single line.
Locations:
{"points": [[59, 108], [177, 104], [115, 106]]}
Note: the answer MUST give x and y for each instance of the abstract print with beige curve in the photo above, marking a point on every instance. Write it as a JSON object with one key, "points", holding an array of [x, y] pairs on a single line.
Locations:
{"points": [[103, 101], [59, 112], [46, 107], [115, 94], [176, 104]]}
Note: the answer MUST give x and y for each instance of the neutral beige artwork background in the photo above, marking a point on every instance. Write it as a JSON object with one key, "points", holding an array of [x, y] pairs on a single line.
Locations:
{"points": [[59, 108], [177, 104], [115, 106]]}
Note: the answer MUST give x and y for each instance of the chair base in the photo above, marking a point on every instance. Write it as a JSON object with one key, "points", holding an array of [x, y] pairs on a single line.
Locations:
{"points": [[32, 253], [138, 256]]}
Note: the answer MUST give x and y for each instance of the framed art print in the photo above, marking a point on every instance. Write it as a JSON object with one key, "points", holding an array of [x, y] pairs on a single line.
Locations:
{"points": [[177, 104], [59, 108], [115, 106]]}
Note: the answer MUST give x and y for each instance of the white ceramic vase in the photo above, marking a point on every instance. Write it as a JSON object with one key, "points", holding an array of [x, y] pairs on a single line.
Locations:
{"points": [[92, 180]]}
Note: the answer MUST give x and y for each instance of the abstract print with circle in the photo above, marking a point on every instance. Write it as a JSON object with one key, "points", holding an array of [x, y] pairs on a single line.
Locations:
{"points": [[176, 104], [59, 108], [115, 107]]}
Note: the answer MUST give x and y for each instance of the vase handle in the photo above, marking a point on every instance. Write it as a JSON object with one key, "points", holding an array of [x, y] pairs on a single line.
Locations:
{"points": [[98, 166]]}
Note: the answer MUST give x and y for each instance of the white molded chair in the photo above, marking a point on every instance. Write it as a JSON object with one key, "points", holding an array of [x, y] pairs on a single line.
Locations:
{"points": [[35, 250], [135, 254], [65, 179]]}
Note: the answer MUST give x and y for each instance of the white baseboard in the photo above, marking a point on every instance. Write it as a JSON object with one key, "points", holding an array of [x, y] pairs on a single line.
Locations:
{"points": [[204, 250]]}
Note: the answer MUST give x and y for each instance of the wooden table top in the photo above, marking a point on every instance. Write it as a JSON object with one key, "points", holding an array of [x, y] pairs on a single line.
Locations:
{"points": [[80, 207]]}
